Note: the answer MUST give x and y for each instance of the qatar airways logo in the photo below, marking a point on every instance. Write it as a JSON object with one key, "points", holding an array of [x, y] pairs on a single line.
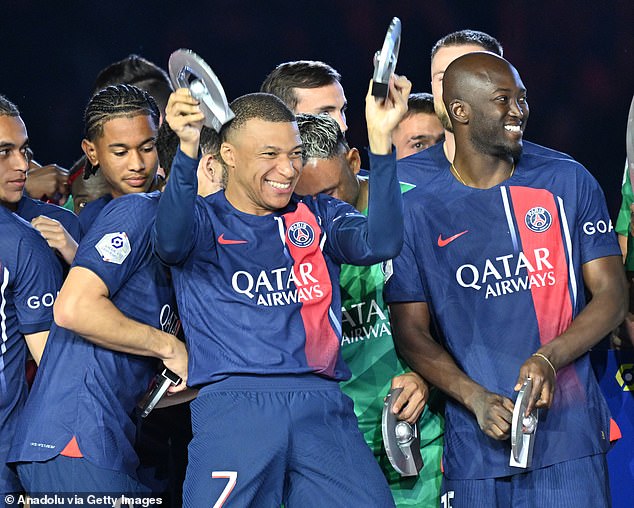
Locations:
{"points": [[169, 320], [364, 321], [281, 286], [508, 274]]}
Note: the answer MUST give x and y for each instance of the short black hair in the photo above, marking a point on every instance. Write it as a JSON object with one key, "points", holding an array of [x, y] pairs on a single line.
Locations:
{"points": [[117, 101], [465, 37], [167, 145], [263, 106], [421, 102], [299, 74], [140, 72]]}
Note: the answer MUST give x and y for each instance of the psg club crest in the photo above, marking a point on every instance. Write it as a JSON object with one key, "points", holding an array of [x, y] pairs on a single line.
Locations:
{"points": [[301, 234], [538, 219]]}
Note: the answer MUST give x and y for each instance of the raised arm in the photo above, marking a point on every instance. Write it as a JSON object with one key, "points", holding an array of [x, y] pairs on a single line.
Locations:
{"points": [[173, 233], [385, 206], [381, 237]]}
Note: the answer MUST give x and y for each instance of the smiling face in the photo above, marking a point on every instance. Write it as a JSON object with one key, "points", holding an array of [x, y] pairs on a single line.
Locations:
{"points": [[487, 102], [14, 162], [264, 161], [499, 113], [125, 153]]}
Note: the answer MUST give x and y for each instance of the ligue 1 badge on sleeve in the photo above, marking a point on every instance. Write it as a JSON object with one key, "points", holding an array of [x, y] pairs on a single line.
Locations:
{"points": [[401, 440], [114, 247], [523, 428], [188, 70]]}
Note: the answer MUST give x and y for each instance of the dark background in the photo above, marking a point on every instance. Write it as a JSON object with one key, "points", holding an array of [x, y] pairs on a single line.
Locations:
{"points": [[575, 58]]}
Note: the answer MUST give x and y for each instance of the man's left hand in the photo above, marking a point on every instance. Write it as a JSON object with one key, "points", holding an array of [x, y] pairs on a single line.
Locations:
{"points": [[410, 403], [543, 376]]}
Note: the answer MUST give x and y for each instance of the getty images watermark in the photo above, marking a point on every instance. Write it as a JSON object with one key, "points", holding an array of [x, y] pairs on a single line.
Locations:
{"points": [[110, 500]]}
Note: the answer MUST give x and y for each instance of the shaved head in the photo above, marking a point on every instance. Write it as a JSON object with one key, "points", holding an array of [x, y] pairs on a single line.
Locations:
{"points": [[486, 102], [471, 72]]}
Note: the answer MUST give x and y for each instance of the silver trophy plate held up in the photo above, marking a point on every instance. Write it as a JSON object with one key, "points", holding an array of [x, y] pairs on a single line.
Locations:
{"points": [[188, 70]]}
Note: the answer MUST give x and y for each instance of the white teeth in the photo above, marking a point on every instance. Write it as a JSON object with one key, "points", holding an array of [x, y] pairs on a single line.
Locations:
{"points": [[512, 128], [278, 185]]}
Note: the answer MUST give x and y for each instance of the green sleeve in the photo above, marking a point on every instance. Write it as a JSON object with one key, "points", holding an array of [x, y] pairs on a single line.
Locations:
{"points": [[623, 219]]}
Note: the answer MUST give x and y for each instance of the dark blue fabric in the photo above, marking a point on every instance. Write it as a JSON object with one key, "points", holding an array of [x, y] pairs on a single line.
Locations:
{"points": [[90, 392], [30, 278]]}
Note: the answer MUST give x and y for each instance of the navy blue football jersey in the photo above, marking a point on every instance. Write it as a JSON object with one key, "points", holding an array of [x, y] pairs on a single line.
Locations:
{"points": [[30, 278], [501, 272], [29, 208], [91, 211], [410, 169], [260, 294], [87, 392]]}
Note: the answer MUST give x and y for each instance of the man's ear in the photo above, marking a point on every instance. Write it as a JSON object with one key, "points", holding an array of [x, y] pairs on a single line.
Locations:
{"points": [[211, 168], [91, 152], [459, 111], [206, 166], [227, 153], [354, 160]]}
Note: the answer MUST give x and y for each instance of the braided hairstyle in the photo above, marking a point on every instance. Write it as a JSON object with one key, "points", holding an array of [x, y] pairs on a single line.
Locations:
{"points": [[7, 108], [116, 101]]}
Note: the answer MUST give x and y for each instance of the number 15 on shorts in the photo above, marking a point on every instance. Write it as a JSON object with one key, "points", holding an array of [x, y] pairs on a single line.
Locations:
{"points": [[232, 477]]}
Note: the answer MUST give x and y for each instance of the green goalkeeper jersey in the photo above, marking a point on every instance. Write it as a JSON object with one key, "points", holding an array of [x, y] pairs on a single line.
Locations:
{"points": [[368, 349]]}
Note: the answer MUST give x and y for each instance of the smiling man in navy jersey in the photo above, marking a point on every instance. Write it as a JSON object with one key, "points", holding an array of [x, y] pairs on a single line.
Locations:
{"points": [[445, 51], [30, 278], [496, 256], [270, 422]]}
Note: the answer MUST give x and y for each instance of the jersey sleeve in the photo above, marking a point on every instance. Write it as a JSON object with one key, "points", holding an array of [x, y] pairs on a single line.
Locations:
{"points": [[175, 231], [594, 224], [403, 276], [627, 198], [118, 242], [71, 223], [38, 277], [358, 240]]}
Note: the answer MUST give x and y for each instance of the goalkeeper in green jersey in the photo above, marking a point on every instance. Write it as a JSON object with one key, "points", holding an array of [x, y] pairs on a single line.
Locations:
{"points": [[332, 167]]}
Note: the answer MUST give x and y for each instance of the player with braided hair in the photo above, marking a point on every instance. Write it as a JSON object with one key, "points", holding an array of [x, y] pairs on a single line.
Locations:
{"points": [[121, 124], [114, 320]]}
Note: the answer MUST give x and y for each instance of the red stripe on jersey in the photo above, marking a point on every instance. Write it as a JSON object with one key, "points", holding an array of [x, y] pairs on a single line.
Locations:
{"points": [[310, 269], [552, 302]]}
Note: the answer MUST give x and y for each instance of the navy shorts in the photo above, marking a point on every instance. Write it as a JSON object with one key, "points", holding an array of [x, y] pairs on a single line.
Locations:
{"points": [[579, 483], [76, 475], [266, 440]]}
